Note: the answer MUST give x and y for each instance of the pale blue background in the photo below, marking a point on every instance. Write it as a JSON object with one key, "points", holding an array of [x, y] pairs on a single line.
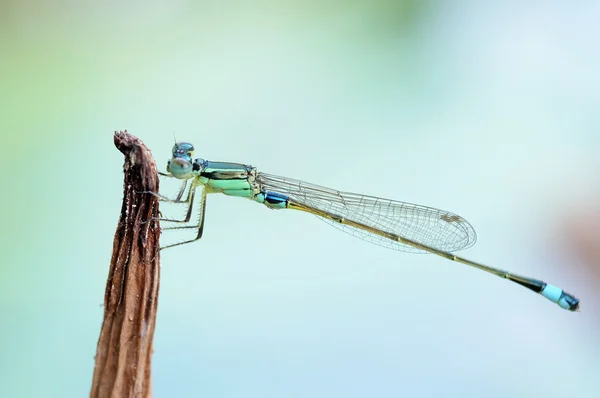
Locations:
{"points": [[488, 109]]}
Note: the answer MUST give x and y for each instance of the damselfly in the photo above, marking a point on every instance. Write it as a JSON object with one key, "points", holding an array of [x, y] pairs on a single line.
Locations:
{"points": [[392, 224]]}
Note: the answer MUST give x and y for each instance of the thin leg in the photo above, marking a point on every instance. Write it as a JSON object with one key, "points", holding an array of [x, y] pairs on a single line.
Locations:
{"points": [[189, 201], [181, 191], [163, 198], [199, 227]]}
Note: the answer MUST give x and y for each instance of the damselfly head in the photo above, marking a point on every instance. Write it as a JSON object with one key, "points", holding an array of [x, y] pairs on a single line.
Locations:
{"points": [[181, 164]]}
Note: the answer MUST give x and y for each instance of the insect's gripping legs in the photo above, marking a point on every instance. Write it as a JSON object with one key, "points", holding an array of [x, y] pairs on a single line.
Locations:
{"points": [[189, 201], [163, 198], [199, 226]]}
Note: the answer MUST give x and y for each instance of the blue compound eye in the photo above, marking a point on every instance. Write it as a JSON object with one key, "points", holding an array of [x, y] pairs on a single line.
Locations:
{"points": [[181, 164]]}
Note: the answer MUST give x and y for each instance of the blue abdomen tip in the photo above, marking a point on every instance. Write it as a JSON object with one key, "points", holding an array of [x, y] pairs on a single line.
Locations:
{"points": [[552, 293]]}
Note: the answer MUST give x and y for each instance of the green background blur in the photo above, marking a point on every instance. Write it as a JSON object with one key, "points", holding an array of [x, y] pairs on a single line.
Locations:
{"points": [[488, 109]]}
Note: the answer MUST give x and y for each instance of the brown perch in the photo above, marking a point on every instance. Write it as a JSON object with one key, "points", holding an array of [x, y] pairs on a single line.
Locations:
{"points": [[123, 356]]}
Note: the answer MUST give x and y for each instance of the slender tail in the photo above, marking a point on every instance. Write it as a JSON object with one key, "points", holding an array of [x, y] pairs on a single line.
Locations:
{"points": [[551, 292]]}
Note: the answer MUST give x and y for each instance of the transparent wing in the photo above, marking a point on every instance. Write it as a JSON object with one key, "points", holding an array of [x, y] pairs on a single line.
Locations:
{"points": [[439, 229]]}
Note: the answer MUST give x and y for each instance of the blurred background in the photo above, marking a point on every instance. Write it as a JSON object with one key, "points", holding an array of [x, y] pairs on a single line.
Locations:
{"points": [[485, 108]]}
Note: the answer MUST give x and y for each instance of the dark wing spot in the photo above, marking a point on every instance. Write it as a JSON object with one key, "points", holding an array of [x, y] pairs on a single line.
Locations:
{"points": [[451, 218]]}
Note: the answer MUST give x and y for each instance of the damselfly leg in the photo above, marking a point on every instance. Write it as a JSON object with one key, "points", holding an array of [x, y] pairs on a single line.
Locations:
{"points": [[189, 202]]}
